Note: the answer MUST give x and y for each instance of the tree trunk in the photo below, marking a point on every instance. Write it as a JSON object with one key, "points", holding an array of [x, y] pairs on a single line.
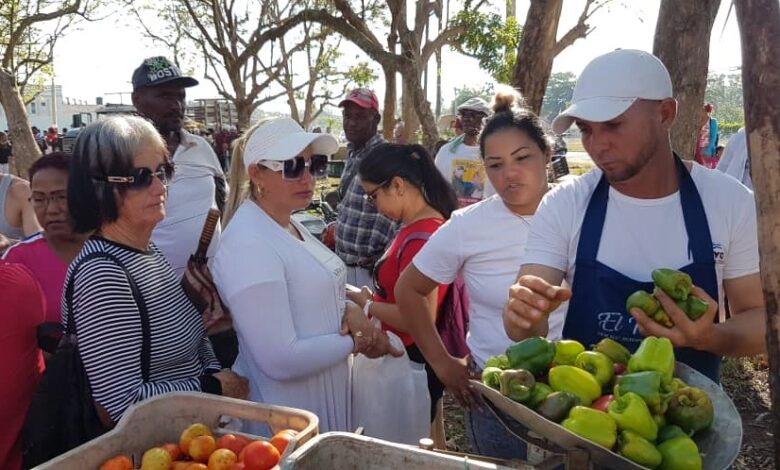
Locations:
{"points": [[682, 42], [388, 110], [408, 111], [419, 107], [244, 111], [536, 51], [26, 151], [759, 25]]}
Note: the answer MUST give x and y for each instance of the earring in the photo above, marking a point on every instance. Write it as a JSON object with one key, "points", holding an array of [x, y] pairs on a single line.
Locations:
{"points": [[259, 191]]}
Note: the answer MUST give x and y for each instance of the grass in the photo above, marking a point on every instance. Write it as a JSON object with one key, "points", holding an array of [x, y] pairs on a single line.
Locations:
{"points": [[574, 145]]}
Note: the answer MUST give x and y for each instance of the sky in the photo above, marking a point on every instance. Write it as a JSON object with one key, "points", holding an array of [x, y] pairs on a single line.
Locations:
{"points": [[98, 59]]}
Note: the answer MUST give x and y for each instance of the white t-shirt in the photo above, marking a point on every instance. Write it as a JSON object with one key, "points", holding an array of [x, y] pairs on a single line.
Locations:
{"points": [[462, 166], [190, 196], [486, 242], [286, 298], [641, 235]]}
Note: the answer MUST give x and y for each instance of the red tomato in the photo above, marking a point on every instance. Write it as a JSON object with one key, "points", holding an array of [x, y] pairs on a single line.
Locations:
{"points": [[602, 403], [282, 438], [232, 442], [260, 455]]}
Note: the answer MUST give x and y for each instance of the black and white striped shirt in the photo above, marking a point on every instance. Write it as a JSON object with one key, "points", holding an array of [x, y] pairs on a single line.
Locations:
{"points": [[108, 327]]}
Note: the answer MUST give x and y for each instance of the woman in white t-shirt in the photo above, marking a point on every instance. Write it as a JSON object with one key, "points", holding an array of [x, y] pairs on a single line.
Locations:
{"points": [[485, 242], [285, 289]]}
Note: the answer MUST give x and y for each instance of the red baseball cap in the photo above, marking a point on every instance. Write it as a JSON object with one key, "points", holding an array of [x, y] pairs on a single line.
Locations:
{"points": [[362, 97]]}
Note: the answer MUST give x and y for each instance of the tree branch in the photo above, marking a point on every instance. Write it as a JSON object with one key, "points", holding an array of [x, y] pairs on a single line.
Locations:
{"points": [[581, 29]]}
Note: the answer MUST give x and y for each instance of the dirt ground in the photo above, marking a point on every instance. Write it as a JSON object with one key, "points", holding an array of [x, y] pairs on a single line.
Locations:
{"points": [[746, 382]]}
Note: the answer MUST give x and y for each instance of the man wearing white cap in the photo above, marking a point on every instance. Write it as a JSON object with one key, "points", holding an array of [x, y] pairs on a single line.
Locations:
{"points": [[642, 209], [459, 160]]}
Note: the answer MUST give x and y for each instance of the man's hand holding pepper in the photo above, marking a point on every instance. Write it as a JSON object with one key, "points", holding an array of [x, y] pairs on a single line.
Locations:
{"points": [[531, 299], [685, 333]]}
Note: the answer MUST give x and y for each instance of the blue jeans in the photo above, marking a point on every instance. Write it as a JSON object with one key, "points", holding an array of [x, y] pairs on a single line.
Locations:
{"points": [[490, 438]]}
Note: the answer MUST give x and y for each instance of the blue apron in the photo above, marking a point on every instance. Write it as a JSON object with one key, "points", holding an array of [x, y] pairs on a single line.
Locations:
{"points": [[598, 305]]}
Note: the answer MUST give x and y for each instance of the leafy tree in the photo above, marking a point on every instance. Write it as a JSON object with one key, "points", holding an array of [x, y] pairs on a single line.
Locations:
{"points": [[465, 93], [492, 40], [26, 57], [558, 95], [724, 91]]}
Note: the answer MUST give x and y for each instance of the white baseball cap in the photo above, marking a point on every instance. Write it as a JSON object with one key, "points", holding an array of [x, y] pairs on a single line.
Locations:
{"points": [[282, 139], [611, 83], [476, 104]]}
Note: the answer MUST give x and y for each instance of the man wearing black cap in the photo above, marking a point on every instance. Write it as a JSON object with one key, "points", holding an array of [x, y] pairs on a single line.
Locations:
{"points": [[198, 183]]}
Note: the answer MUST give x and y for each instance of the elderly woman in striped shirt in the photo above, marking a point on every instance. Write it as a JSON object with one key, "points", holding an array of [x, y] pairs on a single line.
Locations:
{"points": [[138, 333]]}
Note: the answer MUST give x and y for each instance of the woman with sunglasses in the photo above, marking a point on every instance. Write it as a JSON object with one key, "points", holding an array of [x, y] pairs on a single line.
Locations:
{"points": [[484, 242], [285, 289], [403, 183], [48, 252], [138, 333]]}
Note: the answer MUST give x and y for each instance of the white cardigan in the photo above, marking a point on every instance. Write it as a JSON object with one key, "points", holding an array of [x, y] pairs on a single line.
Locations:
{"points": [[287, 299]]}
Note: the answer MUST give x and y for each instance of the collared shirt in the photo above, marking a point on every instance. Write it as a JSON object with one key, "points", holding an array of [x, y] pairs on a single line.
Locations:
{"points": [[362, 234], [191, 194]]}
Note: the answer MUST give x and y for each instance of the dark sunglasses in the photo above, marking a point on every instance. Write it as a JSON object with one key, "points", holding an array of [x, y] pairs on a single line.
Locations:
{"points": [[142, 177], [293, 168]]}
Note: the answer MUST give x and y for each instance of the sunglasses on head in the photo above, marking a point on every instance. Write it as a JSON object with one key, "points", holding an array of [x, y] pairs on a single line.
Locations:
{"points": [[293, 168], [142, 177]]}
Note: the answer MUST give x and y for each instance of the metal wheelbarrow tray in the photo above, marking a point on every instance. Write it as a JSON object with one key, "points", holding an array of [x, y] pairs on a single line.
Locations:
{"points": [[719, 445]]}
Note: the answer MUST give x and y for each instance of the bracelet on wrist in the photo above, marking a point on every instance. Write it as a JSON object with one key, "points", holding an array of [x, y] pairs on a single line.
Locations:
{"points": [[367, 308]]}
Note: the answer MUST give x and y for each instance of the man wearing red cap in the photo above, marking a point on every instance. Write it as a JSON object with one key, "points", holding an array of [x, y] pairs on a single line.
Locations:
{"points": [[361, 232]]}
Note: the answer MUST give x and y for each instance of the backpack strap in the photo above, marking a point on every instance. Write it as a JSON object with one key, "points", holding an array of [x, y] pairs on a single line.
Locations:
{"points": [[146, 337], [412, 236]]}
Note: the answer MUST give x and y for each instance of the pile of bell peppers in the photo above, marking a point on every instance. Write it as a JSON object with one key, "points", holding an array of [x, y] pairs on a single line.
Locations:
{"points": [[677, 285], [628, 403]]}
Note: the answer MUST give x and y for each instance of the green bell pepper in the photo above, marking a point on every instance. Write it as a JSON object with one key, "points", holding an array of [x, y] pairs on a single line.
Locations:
{"points": [[557, 405], [680, 453], [673, 386], [645, 384], [577, 381], [499, 361], [594, 425], [644, 301], [670, 431], [660, 420], [630, 412], [539, 393], [516, 384], [613, 350], [676, 284], [598, 364], [532, 354], [638, 449], [691, 409], [491, 376], [693, 307], [654, 354], [566, 351]]}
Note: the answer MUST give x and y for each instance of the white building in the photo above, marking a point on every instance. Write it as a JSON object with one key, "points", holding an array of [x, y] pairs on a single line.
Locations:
{"points": [[52, 108]]}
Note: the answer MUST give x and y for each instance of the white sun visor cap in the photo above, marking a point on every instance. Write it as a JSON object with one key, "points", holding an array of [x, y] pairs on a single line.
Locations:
{"points": [[611, 83], [282, 139]]}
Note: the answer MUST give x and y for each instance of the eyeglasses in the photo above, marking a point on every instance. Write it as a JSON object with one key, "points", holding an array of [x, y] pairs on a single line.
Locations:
{"points": [[39, 201], [371, 195], [142, 177], [293, 168]]}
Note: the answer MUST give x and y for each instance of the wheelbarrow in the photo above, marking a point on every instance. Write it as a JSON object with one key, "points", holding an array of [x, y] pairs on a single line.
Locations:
{"points": [[719, 445]]}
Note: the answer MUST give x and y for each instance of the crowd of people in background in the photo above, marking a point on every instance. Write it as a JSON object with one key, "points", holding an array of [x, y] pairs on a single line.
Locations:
{"points": [[101, 240]]}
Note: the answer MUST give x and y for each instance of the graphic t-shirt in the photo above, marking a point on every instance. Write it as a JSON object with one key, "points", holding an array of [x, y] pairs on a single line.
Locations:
{"points": [[462, 167], [391, 267]]}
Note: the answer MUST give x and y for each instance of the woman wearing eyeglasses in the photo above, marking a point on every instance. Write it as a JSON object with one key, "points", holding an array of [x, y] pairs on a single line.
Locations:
{"points": [[285, 289], [138, 333], [403, 183], [48, 252]]}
